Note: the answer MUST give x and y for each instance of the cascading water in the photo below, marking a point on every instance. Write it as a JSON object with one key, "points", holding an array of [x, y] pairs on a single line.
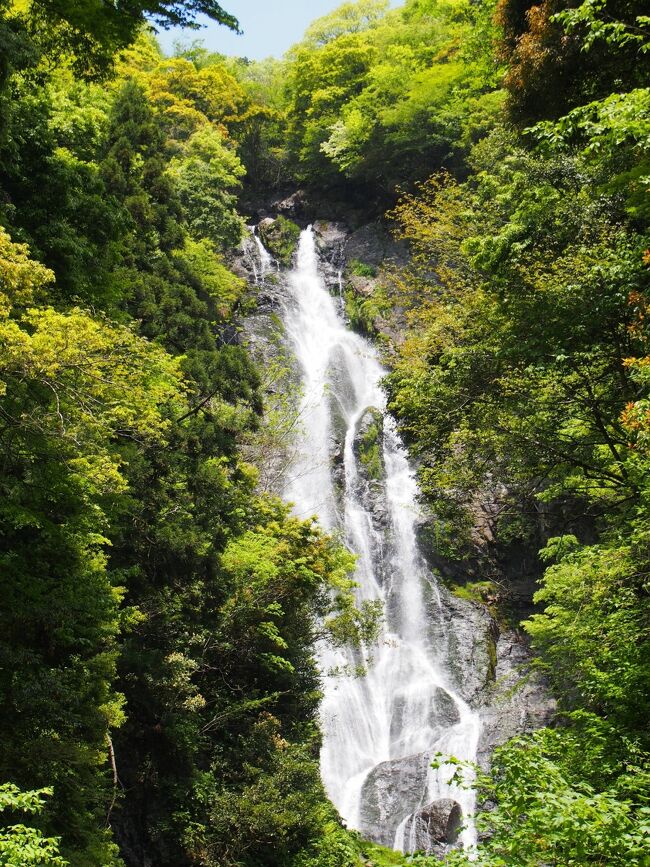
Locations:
{"points": [[382, 729], [260, 259]]}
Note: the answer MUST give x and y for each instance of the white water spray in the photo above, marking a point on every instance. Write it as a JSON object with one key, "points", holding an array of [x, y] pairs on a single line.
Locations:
{"points": [[381, 730], [259, 258]]}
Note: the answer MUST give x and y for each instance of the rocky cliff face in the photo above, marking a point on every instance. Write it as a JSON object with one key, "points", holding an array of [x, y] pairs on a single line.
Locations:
{"points": [[489, 661]]}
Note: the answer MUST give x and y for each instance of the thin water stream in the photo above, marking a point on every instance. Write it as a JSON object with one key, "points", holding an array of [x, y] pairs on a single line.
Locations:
{"points": [[381, 730]]}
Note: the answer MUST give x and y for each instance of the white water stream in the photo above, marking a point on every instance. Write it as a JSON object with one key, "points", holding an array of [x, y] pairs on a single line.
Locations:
{"points": [[381, 729]]}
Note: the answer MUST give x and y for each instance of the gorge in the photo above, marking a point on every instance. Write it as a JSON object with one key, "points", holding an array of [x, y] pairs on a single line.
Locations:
{"points": [[391, 708]]}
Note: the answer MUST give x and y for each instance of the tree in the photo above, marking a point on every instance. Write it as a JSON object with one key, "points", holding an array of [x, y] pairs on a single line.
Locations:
{"points": [[73, 388], [206, 177], [21, 846], [558, 56], [92, 32]]}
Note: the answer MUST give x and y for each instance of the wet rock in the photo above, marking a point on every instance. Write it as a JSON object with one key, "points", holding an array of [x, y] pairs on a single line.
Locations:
{"points": [[268, 290], [491, 670], [391, 791], [337, 464], [330, 239], [368, 445], [364, 286], [442, 714], [437, 823], [466, 633]]}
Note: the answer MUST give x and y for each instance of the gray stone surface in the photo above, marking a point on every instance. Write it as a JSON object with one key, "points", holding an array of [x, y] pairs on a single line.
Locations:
{"points": [[391, 791], [373, 244], [437, 823], [517, 700]]}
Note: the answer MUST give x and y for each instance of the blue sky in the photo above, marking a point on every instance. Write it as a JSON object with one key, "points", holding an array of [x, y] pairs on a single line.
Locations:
{"points": [[270, 27]]}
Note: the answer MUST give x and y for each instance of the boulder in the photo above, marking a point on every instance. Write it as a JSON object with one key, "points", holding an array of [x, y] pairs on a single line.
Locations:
{"points": [[437, 823], [294, 206], [391, 790], [280, 237]]}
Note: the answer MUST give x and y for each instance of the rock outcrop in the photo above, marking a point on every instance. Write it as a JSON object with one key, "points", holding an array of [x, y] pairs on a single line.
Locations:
{"points": [[434, 828], [392, 790]]}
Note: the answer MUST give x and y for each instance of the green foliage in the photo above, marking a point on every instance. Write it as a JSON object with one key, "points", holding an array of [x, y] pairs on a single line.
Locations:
{"points": [[363, 311], [160, 615], [592, 17], [590, 632], [21, 846], [369, 448], [560, 55], [384, 96], [360, 269], [72, 386], [612, 132], [93, 31], [203, 265], [522, 389], [543, 814], [484, 592], [204, 178]]}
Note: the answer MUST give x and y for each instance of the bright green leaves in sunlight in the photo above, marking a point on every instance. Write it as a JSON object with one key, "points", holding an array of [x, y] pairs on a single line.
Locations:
{"points": [[159, 612], [387, 95], [522, 387], [591, 631], [159, 615], [73, 386], [206, 177], [542, 814], [21, 846]]}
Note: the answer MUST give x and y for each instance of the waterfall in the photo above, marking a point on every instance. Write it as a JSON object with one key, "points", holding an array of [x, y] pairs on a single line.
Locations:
{"points": [[381, 729], [258, 257]]}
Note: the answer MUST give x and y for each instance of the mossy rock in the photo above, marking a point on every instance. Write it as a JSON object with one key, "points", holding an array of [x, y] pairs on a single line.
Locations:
{"points": [[365, 309], [280, 237], [368, 444]]}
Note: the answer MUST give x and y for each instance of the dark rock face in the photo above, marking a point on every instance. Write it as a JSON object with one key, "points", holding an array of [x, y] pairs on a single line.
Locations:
{"points": [[517, 700], [295, 206], [330, 239], [269, 290], [437, 823], [374, 245]]}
